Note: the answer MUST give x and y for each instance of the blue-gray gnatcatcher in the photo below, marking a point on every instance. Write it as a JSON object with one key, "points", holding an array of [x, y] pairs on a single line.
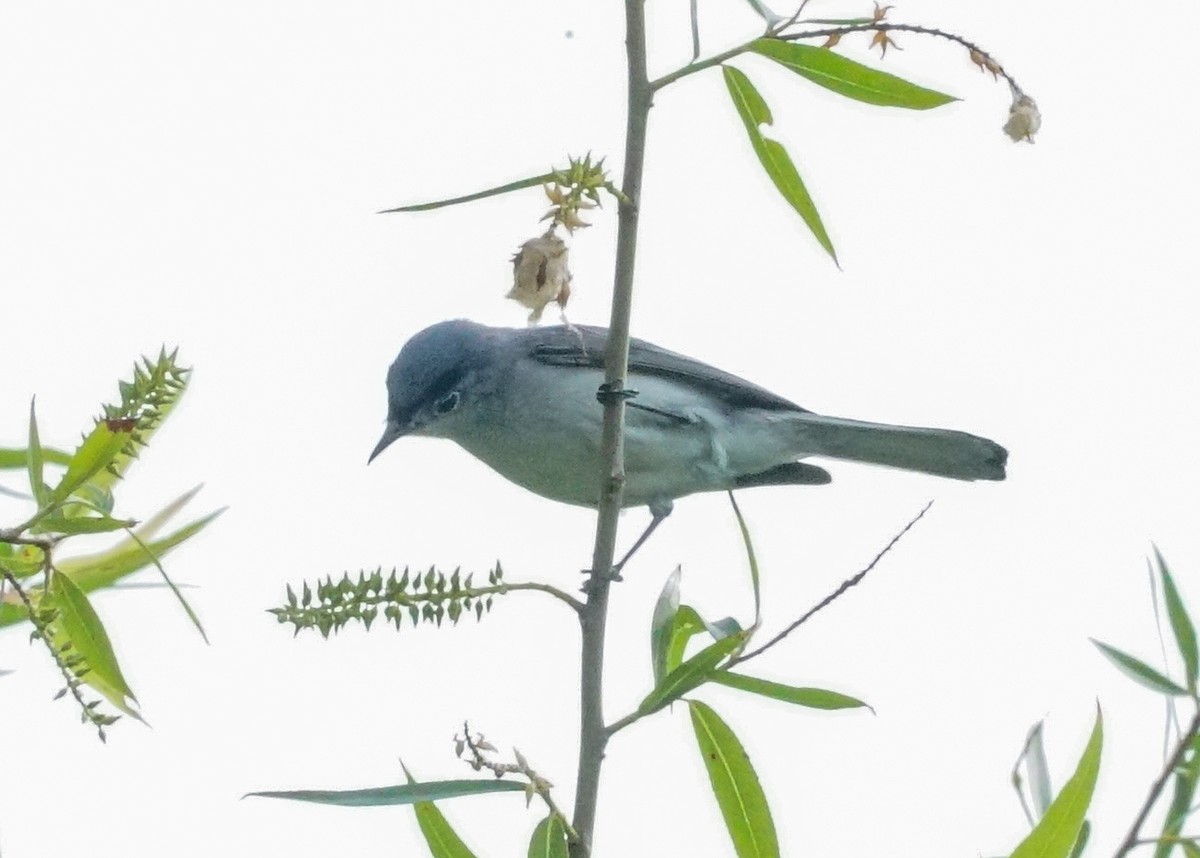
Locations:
{"points": [[524, 401]]}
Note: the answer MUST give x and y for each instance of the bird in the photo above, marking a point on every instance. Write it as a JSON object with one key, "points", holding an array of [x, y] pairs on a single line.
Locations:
{"points": [[524, 402]]}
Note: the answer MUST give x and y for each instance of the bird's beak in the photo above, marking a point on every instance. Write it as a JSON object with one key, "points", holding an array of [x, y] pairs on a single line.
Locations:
{"points": [[390, 434]]}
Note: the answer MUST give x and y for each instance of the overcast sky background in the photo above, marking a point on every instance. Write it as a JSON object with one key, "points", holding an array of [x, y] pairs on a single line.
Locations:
{"points": [[204, 174]]}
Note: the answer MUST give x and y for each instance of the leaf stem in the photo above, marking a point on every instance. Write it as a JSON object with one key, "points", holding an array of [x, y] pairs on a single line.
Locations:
{"points": [[592, 735], [1185, 742]]}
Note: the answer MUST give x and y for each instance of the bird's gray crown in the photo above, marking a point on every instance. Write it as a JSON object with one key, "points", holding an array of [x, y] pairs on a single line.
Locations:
{"points": [[431, 364]]}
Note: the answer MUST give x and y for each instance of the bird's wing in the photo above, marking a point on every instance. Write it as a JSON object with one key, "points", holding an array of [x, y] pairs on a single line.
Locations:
{"points": [[583, 346]]}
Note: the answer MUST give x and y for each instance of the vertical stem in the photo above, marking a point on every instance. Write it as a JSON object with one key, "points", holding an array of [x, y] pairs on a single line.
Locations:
{"points": [[592, 736]]}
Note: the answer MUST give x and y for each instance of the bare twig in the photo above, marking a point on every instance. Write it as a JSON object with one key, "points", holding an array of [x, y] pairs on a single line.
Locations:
{"points": [[537, 785], [842, 588], [1131, 839]]}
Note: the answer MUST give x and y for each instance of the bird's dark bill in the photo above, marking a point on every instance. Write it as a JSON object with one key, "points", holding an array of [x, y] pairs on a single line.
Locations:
{"points": [[390, 434]]}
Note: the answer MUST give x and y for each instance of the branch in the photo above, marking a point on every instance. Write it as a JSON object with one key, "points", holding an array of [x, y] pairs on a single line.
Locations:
{"points": [[874, 27], [1131, 839], [842, 588], [593, 618]]}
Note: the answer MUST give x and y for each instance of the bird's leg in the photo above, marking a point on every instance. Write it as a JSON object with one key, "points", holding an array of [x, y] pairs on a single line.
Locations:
{"points": [[658, 514]]}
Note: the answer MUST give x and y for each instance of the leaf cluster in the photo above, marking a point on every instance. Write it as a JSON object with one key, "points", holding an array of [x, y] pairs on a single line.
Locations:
{"points": [[48, 590]]}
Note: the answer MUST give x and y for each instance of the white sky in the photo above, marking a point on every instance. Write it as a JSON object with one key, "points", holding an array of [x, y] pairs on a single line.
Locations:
{"points": [[205, 174]]}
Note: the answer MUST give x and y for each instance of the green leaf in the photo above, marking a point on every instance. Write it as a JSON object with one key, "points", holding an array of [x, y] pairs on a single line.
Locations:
{"points": [[662, 624], [735, 785], [91, 572], [549, 839], [687, 624], [1033, 755], [750, 558], [775, 160], [387, 796], [1085, 832], [521, 184], [849, 78], [1186, 776], [1190, 849], [35, 460], [813, 698], [1058, 830], [12, 458], [187, 608], [1181, 623], [77, 622], [694, 672], [22, 561], [766, 14], [82, 524], [98, 450], [442, 839], [1140, 672]]}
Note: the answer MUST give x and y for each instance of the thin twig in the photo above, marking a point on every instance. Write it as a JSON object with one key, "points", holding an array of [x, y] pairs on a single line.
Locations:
{"points": [[537, 785], [842, 588], [1185, 742]]}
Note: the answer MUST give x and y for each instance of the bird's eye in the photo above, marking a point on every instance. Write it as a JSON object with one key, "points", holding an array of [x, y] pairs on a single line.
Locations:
{"points": [[447, 403]]}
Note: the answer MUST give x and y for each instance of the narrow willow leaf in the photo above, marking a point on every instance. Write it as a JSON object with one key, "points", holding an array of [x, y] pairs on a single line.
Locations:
{"points": [[79, 625], [687, 624], [775, 160], [521, 184], [849, 78], [813, 698], [751, 559], [1033, 755], [735, 785], [1181, 800], [549, 839], [442, 839], [1081, 842], [187, 608], [765, 13], [127, 557], [1140, 672], [82, 524], [12, 458], [35, 461], [1181, 623], [386, 796], [662, 623], [98, 450], [101, 570], [1057, 832], [694, 672]]}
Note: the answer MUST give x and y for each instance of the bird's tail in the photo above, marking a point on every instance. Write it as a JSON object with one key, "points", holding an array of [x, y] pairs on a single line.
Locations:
{"points": [[942, 452]]}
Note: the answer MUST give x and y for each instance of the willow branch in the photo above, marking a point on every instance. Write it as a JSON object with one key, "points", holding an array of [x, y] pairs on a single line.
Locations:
{"points": [[1185, 742]]}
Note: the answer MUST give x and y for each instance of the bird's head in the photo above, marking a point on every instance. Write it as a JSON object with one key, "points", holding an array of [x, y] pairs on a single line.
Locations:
{"points": [[431, 379]]}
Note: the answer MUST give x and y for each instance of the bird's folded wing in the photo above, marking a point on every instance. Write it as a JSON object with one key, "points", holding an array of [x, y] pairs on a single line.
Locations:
{"points": [[583, 346]]}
